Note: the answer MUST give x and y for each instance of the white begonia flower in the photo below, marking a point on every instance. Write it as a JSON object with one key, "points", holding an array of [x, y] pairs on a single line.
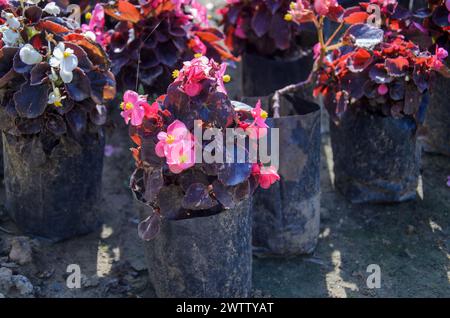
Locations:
{"points": [[55, 97], [52, 8], [10, 29], [11, 20], [29, 55], [90, 35], [10, 37], [65, 60], [33, 1]]}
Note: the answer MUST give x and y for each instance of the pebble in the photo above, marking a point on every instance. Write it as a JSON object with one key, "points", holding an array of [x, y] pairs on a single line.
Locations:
{"points": [[22, 284], [5, 280], [21, 252]]}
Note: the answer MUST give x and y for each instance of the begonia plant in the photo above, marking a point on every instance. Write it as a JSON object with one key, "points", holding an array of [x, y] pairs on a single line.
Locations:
{"points": [[169, 176], [53, 79], [151, 38], [369, 66], [259, 27]]}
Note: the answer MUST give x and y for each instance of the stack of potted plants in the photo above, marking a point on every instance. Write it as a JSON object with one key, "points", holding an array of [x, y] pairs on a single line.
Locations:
{"points": [[274, 52], [199, 226], [151, 39], [375, 86], [54, 82]]}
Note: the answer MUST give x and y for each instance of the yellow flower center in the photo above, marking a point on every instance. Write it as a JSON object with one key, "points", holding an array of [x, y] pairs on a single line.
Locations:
{"points": [[88, 16], [57, 103], [198, 55], [288, 17], [66, 54], [175, 74], [292, 5], [264, 114], [183, 158], [170, 139], [127, 106], [226, 78]]}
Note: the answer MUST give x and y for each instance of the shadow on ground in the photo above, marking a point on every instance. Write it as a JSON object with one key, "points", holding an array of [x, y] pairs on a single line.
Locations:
{"points": [[409, 241]]}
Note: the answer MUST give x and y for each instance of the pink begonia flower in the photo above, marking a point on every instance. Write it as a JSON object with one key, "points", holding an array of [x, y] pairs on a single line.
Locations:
{"points": [[322, 7], [134, 108], [258, 128], [441, 53], [447, 4], [96, 25], [177, 146], [266, 176], [316, 50], [219, 75], [199, 12], [383, 89]]}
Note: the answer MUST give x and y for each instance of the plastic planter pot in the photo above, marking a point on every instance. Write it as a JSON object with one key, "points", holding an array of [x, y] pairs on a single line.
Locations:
{"points": [[202, 257], [54, 195], [437, 127], [376, 159], [262, 76], [286, 217]]}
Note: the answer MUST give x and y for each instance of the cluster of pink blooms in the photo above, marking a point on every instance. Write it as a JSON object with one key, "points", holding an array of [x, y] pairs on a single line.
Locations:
{"points": [[302, 11], [196, 71], [95, 28], [177, 146], [135, 107], [177, 143]]}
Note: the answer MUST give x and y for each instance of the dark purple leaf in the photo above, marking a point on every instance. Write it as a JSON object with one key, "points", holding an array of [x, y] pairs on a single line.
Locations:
{"points": [[273, 5], [170, 199], [396, 66], [80, 87], [261, 21], [149, 76], [39, 73], [397, 90], [29, 126], [102, 86], [33, 13], [19, 66], [98, 115], [83, 60], [167, 53], [154, 181], [56, 124], [279, 31], [150, 227], [232, 174], [190, 176], [364, 35], [379, 75], [77, 120], [31, 101], [148, 58], [197, 197], [224, 195], [420, 78], [440, 16], [6, 59]]}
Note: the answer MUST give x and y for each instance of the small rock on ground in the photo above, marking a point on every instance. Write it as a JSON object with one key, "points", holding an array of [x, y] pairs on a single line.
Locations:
{"points": [[5, 280], [21, 252], [22, 284]]}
